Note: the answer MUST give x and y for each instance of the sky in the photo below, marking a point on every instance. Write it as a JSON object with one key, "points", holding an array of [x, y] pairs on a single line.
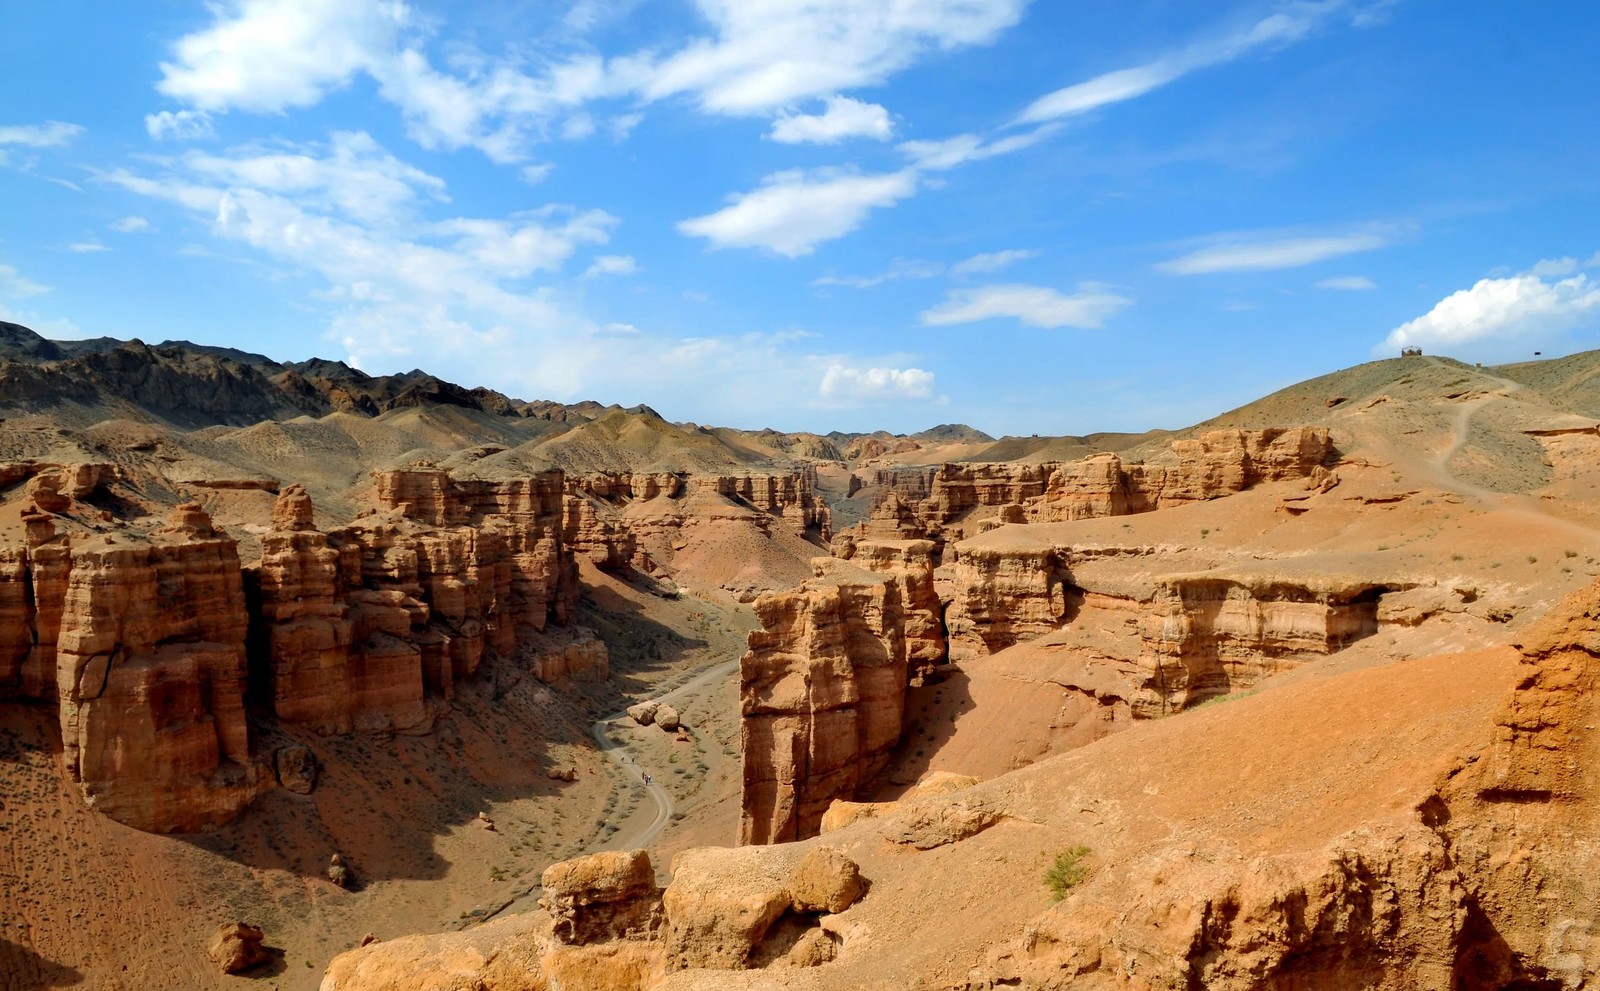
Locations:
{"points": [[1032, 216]]}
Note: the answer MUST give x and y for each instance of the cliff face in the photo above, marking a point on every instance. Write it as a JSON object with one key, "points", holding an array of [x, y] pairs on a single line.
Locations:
{"points": [[1215, 464], [911, 562], [140, 642], [822, 696], [359, 626]]}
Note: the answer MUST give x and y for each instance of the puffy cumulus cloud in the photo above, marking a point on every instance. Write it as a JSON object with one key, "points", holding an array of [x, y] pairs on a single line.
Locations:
{"points": [[992, 261], [273, 55], [1348, 283], [847, 385], [1499, 312], [178, 125], [1036, 306], [843, 118], [50, 134], [1283, 27], [1278, 253], [794, 211]]}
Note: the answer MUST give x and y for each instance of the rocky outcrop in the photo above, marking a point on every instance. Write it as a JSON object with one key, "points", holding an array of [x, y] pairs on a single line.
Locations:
{"points": [[603, 896], [140, 643], [822, 696], [359, 625], [1208, 635], [912, 563], [1002, 595], [1214, 464]]}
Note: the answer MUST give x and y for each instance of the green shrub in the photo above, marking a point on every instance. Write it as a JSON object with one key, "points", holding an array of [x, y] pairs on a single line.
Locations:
{"points": [[1067, 872]]}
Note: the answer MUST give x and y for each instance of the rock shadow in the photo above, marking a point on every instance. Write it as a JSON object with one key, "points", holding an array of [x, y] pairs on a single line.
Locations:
{"points": [[22, 969]]}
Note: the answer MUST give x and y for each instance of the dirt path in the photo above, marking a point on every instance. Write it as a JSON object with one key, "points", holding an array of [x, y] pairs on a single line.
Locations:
{"points": [[640, 828]]}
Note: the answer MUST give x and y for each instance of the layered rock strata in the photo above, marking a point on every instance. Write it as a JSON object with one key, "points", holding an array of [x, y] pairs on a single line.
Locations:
{"points": [[822, 696], [1215, 464], [140, 643]]}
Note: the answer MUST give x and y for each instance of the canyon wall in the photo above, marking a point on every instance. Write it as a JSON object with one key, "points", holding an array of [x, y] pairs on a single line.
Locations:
{"points": [[822, 695], [937, 502]]}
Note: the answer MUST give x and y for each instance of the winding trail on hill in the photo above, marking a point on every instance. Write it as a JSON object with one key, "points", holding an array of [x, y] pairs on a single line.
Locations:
{"points": [[631, 835], [1503, 501]]}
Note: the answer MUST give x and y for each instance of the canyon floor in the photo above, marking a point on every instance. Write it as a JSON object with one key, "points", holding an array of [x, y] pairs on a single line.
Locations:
{"points": [[1453, 529]]}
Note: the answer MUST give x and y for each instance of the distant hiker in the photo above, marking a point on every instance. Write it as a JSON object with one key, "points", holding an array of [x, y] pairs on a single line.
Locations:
{"points": [[647, 777]]}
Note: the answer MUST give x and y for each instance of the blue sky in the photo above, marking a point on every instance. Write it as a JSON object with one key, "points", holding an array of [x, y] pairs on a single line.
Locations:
{"points": [[1034, 217]]}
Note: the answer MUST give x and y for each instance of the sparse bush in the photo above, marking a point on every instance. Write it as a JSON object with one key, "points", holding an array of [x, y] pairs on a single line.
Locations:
{"points": [[1067, 872], [1570, 553], [1532, 559], [1458, 557]]}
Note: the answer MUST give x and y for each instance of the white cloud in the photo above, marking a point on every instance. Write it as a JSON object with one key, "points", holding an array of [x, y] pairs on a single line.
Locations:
{"points": [[50, 134], [269, 56], [1265, 255], [792, 212], [1283, 27], [1036, 306], [535, 174], [1497, 311], [843, 118], [992, 261], [87, 247], [1563, 266], [844, 384], [180, 125], [900, 268], [622, 125], [766, 54], [936, 156], [130, 225], [15, 285], [351, 174], [1349, 283], [611, 265]]}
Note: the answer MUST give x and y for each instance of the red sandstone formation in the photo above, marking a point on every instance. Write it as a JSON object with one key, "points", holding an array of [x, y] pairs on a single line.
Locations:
{"points": [[140, 643], [822, 690], [1215, 464]]}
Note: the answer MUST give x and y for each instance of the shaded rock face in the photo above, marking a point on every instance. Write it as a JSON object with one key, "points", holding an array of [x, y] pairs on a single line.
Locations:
{"points": [[140, 644], [912, 563], [822, 696], [357, 626]]}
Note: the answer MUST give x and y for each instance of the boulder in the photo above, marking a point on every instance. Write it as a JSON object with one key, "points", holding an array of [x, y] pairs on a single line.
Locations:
{"points": [[667, 718], [296, 767], [610, 895], [825, 880], [237, 947], [338, 873], [644, 713], [720, 904]]}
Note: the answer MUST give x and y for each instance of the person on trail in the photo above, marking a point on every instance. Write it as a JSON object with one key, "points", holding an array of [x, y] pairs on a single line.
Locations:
{"points": [[647, 777]]}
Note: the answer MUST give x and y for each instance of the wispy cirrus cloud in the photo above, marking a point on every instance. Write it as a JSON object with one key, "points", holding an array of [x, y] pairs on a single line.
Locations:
{"points": [[1283, 27], [1348, 283], [1035, 306], [1262, 252], [792, 212], [50, 134]]}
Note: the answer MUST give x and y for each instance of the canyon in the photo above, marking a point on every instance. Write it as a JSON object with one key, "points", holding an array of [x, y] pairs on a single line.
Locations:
{"points": [[1295, 696]]}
